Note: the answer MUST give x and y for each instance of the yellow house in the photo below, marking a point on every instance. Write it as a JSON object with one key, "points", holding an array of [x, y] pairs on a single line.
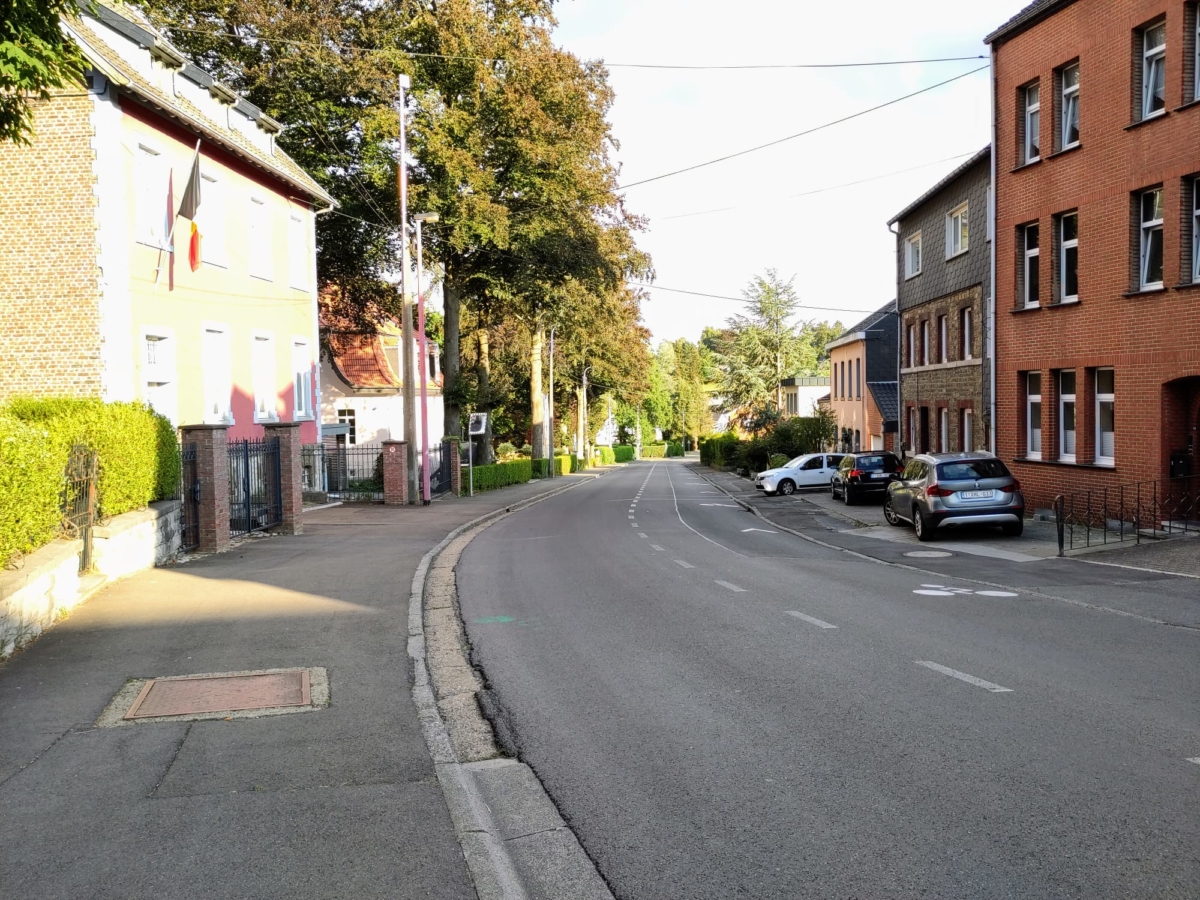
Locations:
{"points": [[107, 292]]}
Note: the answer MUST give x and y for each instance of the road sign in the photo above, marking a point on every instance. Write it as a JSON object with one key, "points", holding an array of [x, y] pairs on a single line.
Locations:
{"points": [[477, 423]]}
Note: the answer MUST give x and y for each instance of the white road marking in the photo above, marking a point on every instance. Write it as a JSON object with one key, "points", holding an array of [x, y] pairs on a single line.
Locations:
{"points": [[732, 587], [763, 530], [658, 548], [810, 620], [684, 564], [963, 676]]}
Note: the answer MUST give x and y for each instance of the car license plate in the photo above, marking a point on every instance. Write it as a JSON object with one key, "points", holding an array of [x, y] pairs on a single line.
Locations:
{"points": [[976, 495]]}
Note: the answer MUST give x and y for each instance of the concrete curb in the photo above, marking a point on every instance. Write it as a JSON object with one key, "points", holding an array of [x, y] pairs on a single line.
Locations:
{"points": [[515, 843]]}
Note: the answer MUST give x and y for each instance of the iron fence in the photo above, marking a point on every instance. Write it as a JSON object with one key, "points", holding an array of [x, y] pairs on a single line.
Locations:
{"points": [[1145, 510], [189, 497], [352, 474], [79, 500], [255, 495]]}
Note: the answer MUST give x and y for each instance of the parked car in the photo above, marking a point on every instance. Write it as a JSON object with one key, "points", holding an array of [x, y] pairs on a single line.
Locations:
{"points": [[808, 471], [938, 489], [864, 474]]}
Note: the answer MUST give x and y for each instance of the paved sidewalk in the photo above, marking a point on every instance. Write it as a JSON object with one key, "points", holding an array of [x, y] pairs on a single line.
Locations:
{"points": [[329, 803]]}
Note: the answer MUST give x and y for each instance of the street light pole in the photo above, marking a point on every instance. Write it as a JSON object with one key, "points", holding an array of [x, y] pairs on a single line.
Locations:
{"points": [[406, 318], [422, 352]]}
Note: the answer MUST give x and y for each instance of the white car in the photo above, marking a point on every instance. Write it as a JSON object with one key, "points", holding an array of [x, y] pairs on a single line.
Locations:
{"points": [[813, 470]]}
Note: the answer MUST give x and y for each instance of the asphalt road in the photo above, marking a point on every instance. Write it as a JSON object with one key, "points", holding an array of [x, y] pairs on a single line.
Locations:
{"points": [[720, 711]]}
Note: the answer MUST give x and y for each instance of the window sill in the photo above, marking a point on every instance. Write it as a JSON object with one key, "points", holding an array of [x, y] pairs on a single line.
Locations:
{"points": [[1065, 150], [1036, 461], [1161, 114], [1188, 105], [1025, 165], [1161, 289], [1025, 309]]}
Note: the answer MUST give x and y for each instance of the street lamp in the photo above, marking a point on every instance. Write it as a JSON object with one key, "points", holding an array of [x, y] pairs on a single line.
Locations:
{"points": [[422, 352]]}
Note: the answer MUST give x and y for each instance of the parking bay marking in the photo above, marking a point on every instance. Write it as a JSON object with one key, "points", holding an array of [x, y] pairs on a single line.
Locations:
{"points": [[809, 619], [963, 676]]}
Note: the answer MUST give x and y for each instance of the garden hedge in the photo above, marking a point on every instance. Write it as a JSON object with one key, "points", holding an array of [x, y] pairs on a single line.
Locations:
{"points": [[502, 474], [623, 454], [136, 449]]}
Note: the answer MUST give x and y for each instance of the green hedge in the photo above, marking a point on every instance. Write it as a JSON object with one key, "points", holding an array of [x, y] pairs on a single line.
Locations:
{"points": [[623, 454], [654, 451], [502, 474], [137, 453]]}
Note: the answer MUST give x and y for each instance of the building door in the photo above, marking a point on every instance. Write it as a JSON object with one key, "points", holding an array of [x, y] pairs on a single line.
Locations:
{"points": [[923, 436]]}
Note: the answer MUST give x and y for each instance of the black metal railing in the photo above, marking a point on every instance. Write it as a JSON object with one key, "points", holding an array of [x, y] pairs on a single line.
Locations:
{"points": [[255, 495], [189, 497], [79, 500], [1145, 510]]}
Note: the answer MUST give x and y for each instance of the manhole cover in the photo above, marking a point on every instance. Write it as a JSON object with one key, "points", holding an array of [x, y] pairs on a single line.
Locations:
{"points": [[192, 694], [928, 554]]}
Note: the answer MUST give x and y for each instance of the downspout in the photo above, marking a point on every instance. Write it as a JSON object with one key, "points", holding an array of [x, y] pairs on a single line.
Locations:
{"points": [[317, 322], [900, 417], [991, 314]]}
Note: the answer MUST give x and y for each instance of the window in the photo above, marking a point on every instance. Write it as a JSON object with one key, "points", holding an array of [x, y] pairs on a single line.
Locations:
{"points": [[1151, 275], [1066, 416], [1030, 284], [1033, 415], [943, 339], [262, 367], [944, 429], [1068, 257], [912, 346], [346, 417], [966, 333], [259, 244], [1196, 230], [302, 380], [967, 438], [214, 246], [1070, 106], [153, 218], [858, 378], [1105, 418], [298, 259], [216, 364], [956, 231], [925, 342], [1154, 70], [912, 256], [158, 371], [1031, 151]]}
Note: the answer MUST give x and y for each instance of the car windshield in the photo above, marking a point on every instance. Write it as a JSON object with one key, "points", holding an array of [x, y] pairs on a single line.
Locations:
{"points": [[869, 463], [795, 463], [972, 470]]}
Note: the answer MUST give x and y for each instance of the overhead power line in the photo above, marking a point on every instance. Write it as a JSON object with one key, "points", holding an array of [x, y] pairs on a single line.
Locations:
{"points": [[803, 306], [792, 137]]}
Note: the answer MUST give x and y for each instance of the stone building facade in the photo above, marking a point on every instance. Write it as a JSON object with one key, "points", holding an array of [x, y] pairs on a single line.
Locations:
{"points": [[943, 277]]}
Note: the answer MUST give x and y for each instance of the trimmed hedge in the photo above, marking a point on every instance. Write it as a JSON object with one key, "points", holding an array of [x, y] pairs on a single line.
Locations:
{"points": [[137, 453], [498, 475], [623, 454]]}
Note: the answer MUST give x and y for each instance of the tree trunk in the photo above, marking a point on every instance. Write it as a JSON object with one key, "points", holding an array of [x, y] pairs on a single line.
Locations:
{"points": [[451, 363], [537, 399], [484, 372]]}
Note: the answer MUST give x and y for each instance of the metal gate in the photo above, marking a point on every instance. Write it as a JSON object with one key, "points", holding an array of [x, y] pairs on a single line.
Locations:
{"points": [[189, 496], [79, 500], [255, 496], [441, 458]]}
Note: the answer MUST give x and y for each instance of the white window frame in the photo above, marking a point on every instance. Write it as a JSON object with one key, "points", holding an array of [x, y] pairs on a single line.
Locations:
{"points": [[1065, 397], [1030, 400], [217, 374], [302, 380], [161, 372], [967, 324], [1032, 263], [912, 247], [1070, 106], [912, 345], [150, 175], [1196, 226], [259, 262], [943, 339], [944, 428], [967, 438], [213, 221], [958, 233], [1032, 150], [924, 342], [1101, 459], [262, 378], [1065, 244], [298, 255], [1153, 59], [1147, 229]]}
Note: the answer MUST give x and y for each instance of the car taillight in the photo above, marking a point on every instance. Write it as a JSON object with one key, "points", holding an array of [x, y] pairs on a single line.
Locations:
{"points": [[856, 473], [1012, 488], [935, 490]]}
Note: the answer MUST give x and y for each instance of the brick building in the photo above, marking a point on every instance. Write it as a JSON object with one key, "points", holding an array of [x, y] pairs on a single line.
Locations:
{"points": [[101, 294], [943, 269], [1097, 274], [862, 382]]}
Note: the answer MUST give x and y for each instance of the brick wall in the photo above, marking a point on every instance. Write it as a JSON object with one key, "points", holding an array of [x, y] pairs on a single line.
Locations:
{"points": [[1149, 339], [50, 304]]}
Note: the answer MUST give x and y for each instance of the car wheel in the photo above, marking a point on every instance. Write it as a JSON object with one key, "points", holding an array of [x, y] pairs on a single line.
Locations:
{"points": [[847, 495], [1013, 529], [889, 513], [787, 487], [922, 525]]}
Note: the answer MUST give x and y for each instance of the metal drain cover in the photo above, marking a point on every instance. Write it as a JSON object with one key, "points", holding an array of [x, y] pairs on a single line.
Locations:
{"points": [[928, 554], [192, 694]]}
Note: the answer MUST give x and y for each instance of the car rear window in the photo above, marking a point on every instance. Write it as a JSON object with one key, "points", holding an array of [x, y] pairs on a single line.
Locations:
{"points": [[972, 470]]}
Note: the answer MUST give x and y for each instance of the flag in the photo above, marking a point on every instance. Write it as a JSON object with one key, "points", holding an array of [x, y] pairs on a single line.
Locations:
{"points": [[189, 205]]}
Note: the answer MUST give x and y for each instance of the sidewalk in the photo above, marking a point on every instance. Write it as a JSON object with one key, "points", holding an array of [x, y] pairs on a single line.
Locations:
{"points": [[336, 802]]}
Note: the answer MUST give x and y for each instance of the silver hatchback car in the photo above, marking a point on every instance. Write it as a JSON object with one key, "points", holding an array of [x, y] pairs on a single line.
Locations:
{"points": [[955, 489]]}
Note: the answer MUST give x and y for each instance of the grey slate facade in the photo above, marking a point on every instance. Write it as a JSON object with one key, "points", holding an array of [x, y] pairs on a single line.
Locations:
{"points": [[945, 391]]}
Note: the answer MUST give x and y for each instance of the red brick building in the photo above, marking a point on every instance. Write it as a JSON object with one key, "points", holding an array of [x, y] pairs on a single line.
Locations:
{"points": [[1097, 243]]}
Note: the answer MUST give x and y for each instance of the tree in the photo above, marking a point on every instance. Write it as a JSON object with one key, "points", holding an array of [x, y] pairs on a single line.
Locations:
{"points": [[35, 56]]}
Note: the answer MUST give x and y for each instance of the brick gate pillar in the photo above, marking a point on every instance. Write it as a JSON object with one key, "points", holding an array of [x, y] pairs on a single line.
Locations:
{"points": [[455, 468], [291, 476], [212, 472], [395, 473]]}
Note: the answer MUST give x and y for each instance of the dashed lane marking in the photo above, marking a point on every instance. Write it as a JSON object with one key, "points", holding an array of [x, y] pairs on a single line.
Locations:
{"points": [[810, 620], [686, 565], [963, 676], [732, 587]]}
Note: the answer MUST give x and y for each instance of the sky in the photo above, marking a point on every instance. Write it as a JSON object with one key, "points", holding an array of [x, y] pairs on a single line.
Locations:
{"points": [[711, 230]]}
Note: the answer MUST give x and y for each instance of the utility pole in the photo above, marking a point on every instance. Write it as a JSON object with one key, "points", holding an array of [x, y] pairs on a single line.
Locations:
{"points": [[407, 385]]}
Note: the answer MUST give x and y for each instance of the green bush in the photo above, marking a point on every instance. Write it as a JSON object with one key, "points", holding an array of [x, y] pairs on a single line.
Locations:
{"points": [[607, 456], [777, 461], [654, 451], [623, 454], [502, 474], [31, 483]]}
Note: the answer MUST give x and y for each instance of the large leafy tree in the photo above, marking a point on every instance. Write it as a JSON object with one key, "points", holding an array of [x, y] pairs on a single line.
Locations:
{"points": [[36, 57]]}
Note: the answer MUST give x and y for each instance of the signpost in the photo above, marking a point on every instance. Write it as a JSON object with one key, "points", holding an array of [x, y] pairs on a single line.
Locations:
{"points": [[477, 424]]}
